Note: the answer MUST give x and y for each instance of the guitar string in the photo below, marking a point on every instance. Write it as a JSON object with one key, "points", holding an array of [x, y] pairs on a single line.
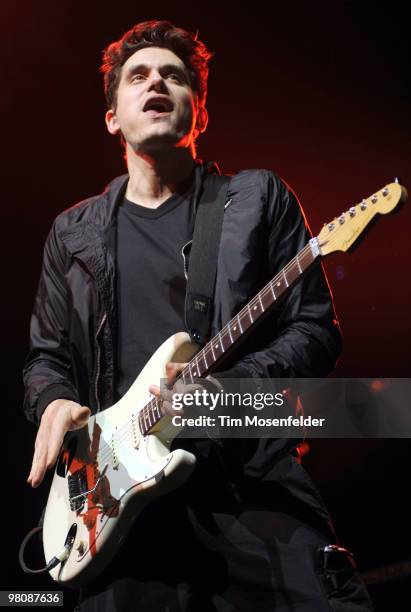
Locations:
{"points": [[121, 435]]}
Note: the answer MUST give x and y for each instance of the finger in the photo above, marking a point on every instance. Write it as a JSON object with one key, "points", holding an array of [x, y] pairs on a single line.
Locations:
{"points": [[155, 390], [181, 387], [38, 468], [57, 433], [173, 369], [38, 473], [161, 394], [168, 410]]}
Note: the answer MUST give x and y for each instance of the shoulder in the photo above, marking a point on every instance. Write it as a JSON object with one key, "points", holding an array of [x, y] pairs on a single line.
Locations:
{"points": [[264, 187], [95, 209]]}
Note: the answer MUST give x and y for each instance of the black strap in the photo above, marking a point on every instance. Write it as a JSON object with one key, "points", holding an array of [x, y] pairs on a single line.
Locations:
{"points": [[203, 256]]}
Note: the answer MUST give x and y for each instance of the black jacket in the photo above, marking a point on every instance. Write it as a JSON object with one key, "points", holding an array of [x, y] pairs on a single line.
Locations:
{"points": [[74, 326]]}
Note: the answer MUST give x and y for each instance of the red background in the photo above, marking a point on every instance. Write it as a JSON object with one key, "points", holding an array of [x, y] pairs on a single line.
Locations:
{"points": [[320, 93]]}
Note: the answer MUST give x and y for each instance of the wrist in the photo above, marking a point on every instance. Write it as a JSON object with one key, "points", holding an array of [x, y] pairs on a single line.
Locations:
{"points": [[59, 405], [54, 391]]}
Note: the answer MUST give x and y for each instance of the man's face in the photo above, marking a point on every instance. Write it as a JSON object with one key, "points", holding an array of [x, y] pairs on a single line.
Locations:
{"points": [[156, 106]]}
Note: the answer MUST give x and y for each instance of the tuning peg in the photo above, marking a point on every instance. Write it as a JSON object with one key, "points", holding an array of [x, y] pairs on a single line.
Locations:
{"points": [[385, 191], [374, 199], [352, 211], [341, 219], [363, 205], [397, 180]]}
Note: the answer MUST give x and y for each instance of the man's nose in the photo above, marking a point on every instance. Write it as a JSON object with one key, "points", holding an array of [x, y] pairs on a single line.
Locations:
{"points": [[157, 83]]}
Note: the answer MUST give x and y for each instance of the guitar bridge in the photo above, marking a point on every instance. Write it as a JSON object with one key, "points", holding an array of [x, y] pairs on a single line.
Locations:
{"points": [[77, 485], [78, 490]]}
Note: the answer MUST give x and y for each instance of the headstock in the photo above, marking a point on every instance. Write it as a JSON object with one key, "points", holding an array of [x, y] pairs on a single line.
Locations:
{"points": [[340, 233]]}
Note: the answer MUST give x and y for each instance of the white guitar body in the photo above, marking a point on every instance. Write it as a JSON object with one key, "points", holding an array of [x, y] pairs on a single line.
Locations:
{"points": [[125, 468]]}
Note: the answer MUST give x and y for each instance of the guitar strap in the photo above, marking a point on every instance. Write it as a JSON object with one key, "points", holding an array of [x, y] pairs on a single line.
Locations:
{"points": [[204, 255]]}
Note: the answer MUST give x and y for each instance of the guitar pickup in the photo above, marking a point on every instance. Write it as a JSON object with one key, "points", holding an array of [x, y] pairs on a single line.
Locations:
{"points": [[135, 431], [114, 451]]}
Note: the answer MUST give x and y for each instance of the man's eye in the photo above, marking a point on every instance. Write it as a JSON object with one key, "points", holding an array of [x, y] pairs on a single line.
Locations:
{"points": [[137, 77], [174, 77]]}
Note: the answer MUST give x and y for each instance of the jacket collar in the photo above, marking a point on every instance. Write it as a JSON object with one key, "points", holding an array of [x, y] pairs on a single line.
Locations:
{"points": [[91, 240], [115, 190]]}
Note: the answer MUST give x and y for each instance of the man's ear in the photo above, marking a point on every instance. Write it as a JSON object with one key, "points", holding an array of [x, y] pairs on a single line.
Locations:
{"points": [[111, 122], [202, 119]]}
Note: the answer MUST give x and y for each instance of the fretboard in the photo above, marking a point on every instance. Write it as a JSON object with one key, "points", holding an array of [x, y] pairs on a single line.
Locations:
{"points": [[214, 352]]}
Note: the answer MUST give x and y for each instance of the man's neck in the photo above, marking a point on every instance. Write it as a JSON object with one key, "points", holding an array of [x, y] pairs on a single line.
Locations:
{"points": [[154, 178]]}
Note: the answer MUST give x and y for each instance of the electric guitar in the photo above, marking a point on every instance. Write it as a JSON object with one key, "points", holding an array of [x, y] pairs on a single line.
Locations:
{"points": [[109, 470]]}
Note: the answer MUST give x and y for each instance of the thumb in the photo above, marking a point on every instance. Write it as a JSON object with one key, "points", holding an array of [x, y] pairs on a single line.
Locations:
{"points": [[79, 416]]}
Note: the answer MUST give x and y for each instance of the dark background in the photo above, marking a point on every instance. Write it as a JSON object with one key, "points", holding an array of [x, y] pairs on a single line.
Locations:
{"points": [[318, 92]]}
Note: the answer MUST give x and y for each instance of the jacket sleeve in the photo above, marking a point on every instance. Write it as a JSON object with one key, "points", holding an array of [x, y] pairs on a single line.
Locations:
{"points": [[307, 339], [47, 371]]}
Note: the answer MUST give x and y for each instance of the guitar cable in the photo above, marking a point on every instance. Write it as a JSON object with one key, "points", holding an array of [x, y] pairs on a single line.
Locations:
{"points": [[62, 555]]}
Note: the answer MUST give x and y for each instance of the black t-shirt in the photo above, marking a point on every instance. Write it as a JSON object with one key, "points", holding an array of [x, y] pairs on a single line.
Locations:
{"points": [[151, 284]]}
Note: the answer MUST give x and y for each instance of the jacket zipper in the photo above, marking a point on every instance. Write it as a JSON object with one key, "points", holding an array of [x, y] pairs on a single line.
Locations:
{"points": [[103, 320]]}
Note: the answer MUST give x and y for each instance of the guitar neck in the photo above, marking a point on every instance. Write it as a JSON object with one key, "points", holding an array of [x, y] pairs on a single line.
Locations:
{"points": [[214, 352]]}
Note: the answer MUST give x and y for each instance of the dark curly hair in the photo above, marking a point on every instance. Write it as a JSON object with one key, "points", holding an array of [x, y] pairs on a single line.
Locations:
{"points": [[184, 44]]}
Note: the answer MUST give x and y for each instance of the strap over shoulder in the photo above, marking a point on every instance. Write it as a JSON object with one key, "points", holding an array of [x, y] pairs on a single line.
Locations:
{"points": [[204, 255]]}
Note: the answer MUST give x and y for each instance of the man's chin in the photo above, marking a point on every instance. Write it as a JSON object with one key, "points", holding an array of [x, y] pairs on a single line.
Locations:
{"points": [[158, 143]]}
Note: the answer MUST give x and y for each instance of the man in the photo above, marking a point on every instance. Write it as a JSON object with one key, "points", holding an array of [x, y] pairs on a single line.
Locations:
{"points": [[245, 532]]}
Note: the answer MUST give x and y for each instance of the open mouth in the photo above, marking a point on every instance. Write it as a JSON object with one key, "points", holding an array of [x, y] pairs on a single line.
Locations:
{"points": [[158, 106]]}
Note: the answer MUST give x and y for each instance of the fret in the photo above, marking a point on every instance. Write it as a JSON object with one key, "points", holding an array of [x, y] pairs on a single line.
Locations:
{"points": [[195, 373], [190, 372], [285, 277], [157, 408], [221, 342], [272, 290], [298, 263], [239, 323], [235, 331], [212, 350], [266, 298], [261, 304], [249, 313], [229, 331], [204, 358], [148, 417]]}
